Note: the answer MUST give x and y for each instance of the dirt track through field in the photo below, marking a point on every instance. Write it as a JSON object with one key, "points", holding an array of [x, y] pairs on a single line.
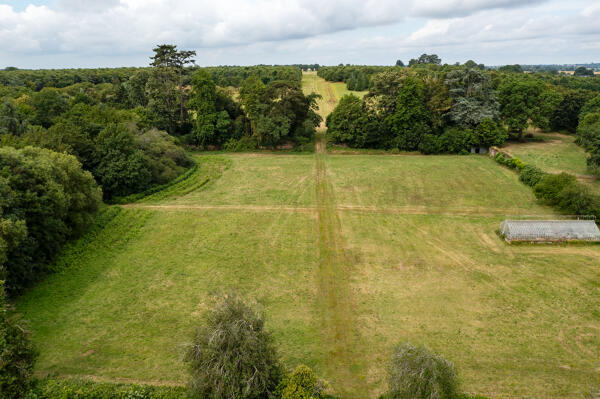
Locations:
{"points": [[335, 299]]}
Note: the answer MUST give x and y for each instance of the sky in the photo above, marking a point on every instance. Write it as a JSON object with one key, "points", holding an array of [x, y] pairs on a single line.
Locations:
{"points": [[113, 33]]}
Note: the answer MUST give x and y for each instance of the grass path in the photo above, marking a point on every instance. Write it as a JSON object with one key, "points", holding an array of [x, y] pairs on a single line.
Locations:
{"points": [[331, 92], [334, 292]]}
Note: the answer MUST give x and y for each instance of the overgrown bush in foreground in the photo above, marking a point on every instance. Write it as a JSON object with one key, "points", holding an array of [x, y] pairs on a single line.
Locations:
{"points": [[17, 354], [416, 373], [303, 383], [232, 356]]}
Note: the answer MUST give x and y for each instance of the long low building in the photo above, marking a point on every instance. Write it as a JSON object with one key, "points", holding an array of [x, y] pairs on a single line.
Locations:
{"points": [[550, 230]]}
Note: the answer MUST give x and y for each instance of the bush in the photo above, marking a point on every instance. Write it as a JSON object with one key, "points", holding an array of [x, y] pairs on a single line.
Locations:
{"points": [[550, 186], [455, 140], [232, 356], [416, 373], [302, 384], [17, 354], [246, 143], [531, 175]]}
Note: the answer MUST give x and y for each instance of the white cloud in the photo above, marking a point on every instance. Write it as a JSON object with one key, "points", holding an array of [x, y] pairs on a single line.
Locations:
{"points": [[72, 32]]}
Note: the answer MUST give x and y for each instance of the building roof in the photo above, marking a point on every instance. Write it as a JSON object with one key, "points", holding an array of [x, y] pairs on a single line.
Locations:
{"points": [[550, 230]]}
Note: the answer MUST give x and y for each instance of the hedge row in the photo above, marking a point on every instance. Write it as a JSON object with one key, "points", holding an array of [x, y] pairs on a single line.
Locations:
{"points": [[562, 191]]}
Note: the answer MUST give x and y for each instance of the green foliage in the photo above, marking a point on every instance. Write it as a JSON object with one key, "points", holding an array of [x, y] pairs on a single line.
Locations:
{"points": [[474, 100], [566, 115], [454, 140], [232, 356], [567, 194], [49, 103], [516, 68], [416, 373], [351, 124], [225, 76], [488, 133], [410, 122], [519, 101], [85, 389], [47, 198], [583, 71], [17, 353], [121, 167], [590, 107], [426, 59], [246, 143], [303, 383], [279, 112], [531, 175]]}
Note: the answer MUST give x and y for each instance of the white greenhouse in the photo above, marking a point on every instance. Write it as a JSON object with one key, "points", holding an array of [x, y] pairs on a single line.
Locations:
{"points": [[550, 230]]}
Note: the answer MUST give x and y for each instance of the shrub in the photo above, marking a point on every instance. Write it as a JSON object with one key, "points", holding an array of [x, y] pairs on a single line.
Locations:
{"points": [[232, 356], [416, 373], [531, 175], [246, 143], [550, 186], [578, 200], [17, 354], [302, 384], [455, 140]]}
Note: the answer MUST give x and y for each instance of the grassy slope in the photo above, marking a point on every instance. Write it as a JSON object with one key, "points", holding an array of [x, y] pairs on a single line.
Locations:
{"points": [[555, 153], [341, 283]]}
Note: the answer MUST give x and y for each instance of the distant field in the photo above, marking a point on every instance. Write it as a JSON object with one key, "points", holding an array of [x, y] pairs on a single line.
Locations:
{"points": [[348, 255], [555, 153], [331, 91]]}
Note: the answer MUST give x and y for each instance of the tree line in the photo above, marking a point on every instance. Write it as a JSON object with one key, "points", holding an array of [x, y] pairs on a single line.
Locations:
{"points": [[436, 108]]}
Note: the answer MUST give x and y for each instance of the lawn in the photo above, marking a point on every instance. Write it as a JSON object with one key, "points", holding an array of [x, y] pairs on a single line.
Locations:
{"points": [[555, 153]]}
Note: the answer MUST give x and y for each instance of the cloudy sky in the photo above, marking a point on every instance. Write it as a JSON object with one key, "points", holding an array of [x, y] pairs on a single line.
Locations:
{"points": [[97, 33]]}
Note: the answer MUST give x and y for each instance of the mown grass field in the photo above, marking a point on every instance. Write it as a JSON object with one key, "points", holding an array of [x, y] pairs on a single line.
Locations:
{"points": [[347, 256], [555, 153]]}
